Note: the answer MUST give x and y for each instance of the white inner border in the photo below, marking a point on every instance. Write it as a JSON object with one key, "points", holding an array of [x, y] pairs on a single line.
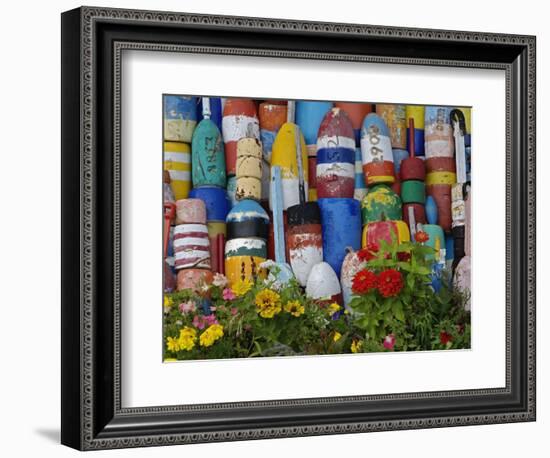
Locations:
{"points": [[146, 381]]}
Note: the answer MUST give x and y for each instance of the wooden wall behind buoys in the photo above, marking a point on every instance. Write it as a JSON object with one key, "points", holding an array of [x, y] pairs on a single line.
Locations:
{"points": [[304, 239], [177, 161], [438, 132], [323, 284], [180, 118], [381, 202], [441, 193], [376, 151], [249, 169], [284, 156], [240, 120], [394, 117], [341, 228], [417, 113], [208, 159]]}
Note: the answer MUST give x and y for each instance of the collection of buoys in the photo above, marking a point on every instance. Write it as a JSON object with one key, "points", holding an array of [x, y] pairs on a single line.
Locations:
{"points": [[307, 184]]}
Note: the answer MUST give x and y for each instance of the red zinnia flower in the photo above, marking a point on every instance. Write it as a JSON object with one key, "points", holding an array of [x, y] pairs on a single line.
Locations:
{"points": [[403, 256], [368, 253], [390, 283], [389, 342], [421, 237], [364, 281], [445, 337]]}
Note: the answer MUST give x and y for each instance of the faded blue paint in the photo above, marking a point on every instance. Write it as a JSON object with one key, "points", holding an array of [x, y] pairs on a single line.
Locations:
{"points": [[247, 210], [309, 115], [433, 115], [207, 158], [431, 210], [267, 137], [359, 176], [180, 107], [372, 119], [398, 156], [418, 141], [215, 200], [341, 228]]}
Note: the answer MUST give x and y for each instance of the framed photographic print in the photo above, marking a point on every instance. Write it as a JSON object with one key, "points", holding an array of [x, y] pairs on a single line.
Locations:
{"points": [[277, 228]]}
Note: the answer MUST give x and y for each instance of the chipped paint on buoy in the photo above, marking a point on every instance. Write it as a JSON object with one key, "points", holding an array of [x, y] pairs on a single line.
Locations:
{"points": [[376, 151], [191, 246], [208, 160], [323, 284], [438, 132], [180, 118], [394, 117], [249, 169]]}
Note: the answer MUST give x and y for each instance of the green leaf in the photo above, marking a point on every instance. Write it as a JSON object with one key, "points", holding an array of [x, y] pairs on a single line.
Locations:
{"points": [[398, 311]]}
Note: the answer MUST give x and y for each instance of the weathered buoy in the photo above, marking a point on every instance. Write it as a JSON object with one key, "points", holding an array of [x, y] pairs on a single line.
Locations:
{"points": [[180, 118], [191, 246], [360, 190], [436, 239], [217, 207], [373, 233], [246, 248], [193, 279], [398, 156], [304, 238], [239, 121], [376, 150], [190, 211], [394, 117], [272, 115], [412, 215], [381, 203], [440, 170], [309, 115], [462, 278], [215, 110], [438, 133], [208, 160], [231, 190], [249, 169], [356, 113], [335, 156], [417, 113], [341, 229], [413, 191], [323, 285], [177, 161], [431, 210], [284, 156], [351, 265], [441, 194]]}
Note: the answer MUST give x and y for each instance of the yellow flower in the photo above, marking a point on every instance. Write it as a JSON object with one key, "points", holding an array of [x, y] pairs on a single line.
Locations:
{"points": [[294, 308], [337, 336], [187, 338], [267, 303], [169, 360], [241, 287], [210, 335], [356, 346], [173, 344], [168, 302], [333, 308]]}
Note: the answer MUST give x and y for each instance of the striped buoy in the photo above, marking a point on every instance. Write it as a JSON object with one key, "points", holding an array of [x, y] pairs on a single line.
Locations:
{"points": [[191, 246], [239, 121], [341, 229], [438, 132], [323, 285], [177, 161], [208, 160], [394, 117], [246, 248], [381, 203], [417, 113], [304, 239], [360, 186], [217, 207], [180, 118], [376, 151], [249, 169], [309, 115], [335, 156], [356, 113], [284, 156], [374, 232]]}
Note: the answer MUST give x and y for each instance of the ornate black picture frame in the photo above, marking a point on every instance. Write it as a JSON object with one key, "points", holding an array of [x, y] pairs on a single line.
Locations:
{"points": [[92, 42]]}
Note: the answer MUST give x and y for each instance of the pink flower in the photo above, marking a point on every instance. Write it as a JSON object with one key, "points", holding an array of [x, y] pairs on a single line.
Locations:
{"points": [[219, 280], [389, 341], [210, 319], [234, 310], [187, 307], [198, 322], [228, 294]]}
